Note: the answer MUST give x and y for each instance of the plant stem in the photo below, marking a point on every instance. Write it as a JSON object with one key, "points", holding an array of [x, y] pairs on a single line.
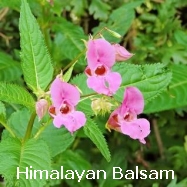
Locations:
{"points": [[41, 129], [8, 128], [29, 127], [74, 60]]}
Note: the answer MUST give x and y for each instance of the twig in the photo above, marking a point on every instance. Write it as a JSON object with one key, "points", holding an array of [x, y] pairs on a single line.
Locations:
{"points": [[158, 138], [3, 12]]}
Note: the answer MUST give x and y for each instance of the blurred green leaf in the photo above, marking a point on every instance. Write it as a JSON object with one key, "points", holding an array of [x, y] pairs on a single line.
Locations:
{"points": [[117, 160], [185, 143], [119, 20], [79, 7], [181, 37], [70, 36], [99, 9], [71, 160], [174, 183], [10, 70], [14, 4]]}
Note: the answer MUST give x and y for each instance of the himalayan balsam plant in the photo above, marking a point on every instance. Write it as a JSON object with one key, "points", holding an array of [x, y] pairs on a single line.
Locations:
{"points": [[56, 107]]}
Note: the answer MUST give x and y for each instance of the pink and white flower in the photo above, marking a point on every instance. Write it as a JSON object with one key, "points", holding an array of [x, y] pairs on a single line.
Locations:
{"points": [[101, 57], [64, 99], [124, 118]]}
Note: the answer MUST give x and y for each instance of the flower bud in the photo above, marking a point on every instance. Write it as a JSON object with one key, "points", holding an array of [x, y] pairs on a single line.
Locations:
{"points": [[121, 53], [41, 108], [101, 105], [113, 33]]}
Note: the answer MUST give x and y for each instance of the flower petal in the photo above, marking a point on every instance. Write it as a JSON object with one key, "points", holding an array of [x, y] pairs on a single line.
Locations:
{"points": [[133, 100], [72, 121], [136, 129], [62, 91], [114, 81], [99, 51], [107, 84], [113, 121]]}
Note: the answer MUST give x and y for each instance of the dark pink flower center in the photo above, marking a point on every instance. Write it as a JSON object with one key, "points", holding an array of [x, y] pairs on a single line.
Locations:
{"points": [[128, 117], [52, 110], [101, 70], [115, 121], [88, 71], [65, 109]]}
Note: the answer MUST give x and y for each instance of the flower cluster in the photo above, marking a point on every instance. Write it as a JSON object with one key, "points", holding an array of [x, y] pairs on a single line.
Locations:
{"points": [[124, 118], [64, 98], [101, 56]]}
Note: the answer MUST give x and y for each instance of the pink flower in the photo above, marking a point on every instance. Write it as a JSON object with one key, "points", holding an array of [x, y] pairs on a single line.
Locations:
{"points": [[101, 57], [124, 118], [41, 108], [65, 97], [121, 53]]}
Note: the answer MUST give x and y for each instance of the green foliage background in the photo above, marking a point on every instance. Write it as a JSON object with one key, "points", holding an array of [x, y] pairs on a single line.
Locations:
{"points": [[154, 30]]}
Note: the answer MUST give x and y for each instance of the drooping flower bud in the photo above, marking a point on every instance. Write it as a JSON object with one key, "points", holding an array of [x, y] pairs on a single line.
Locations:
{"points": [[41, 108], [121, 53], [101, 106]]}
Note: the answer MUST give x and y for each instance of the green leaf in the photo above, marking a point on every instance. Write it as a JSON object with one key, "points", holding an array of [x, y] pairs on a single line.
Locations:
{"points": [[185, 143], [119, 20], [176, 94], [71, 160], [15, 154], [150, 79], [10, 70], [36, 62], [174, 183], [180, 37], [118, 160], [14, 4], [58, 140], [99, 9], [84, 104], [2, 109], [16, 94], [94, 133], [70, 36], [68, 73], [2, 112], [79, 7], [80, 81]]}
